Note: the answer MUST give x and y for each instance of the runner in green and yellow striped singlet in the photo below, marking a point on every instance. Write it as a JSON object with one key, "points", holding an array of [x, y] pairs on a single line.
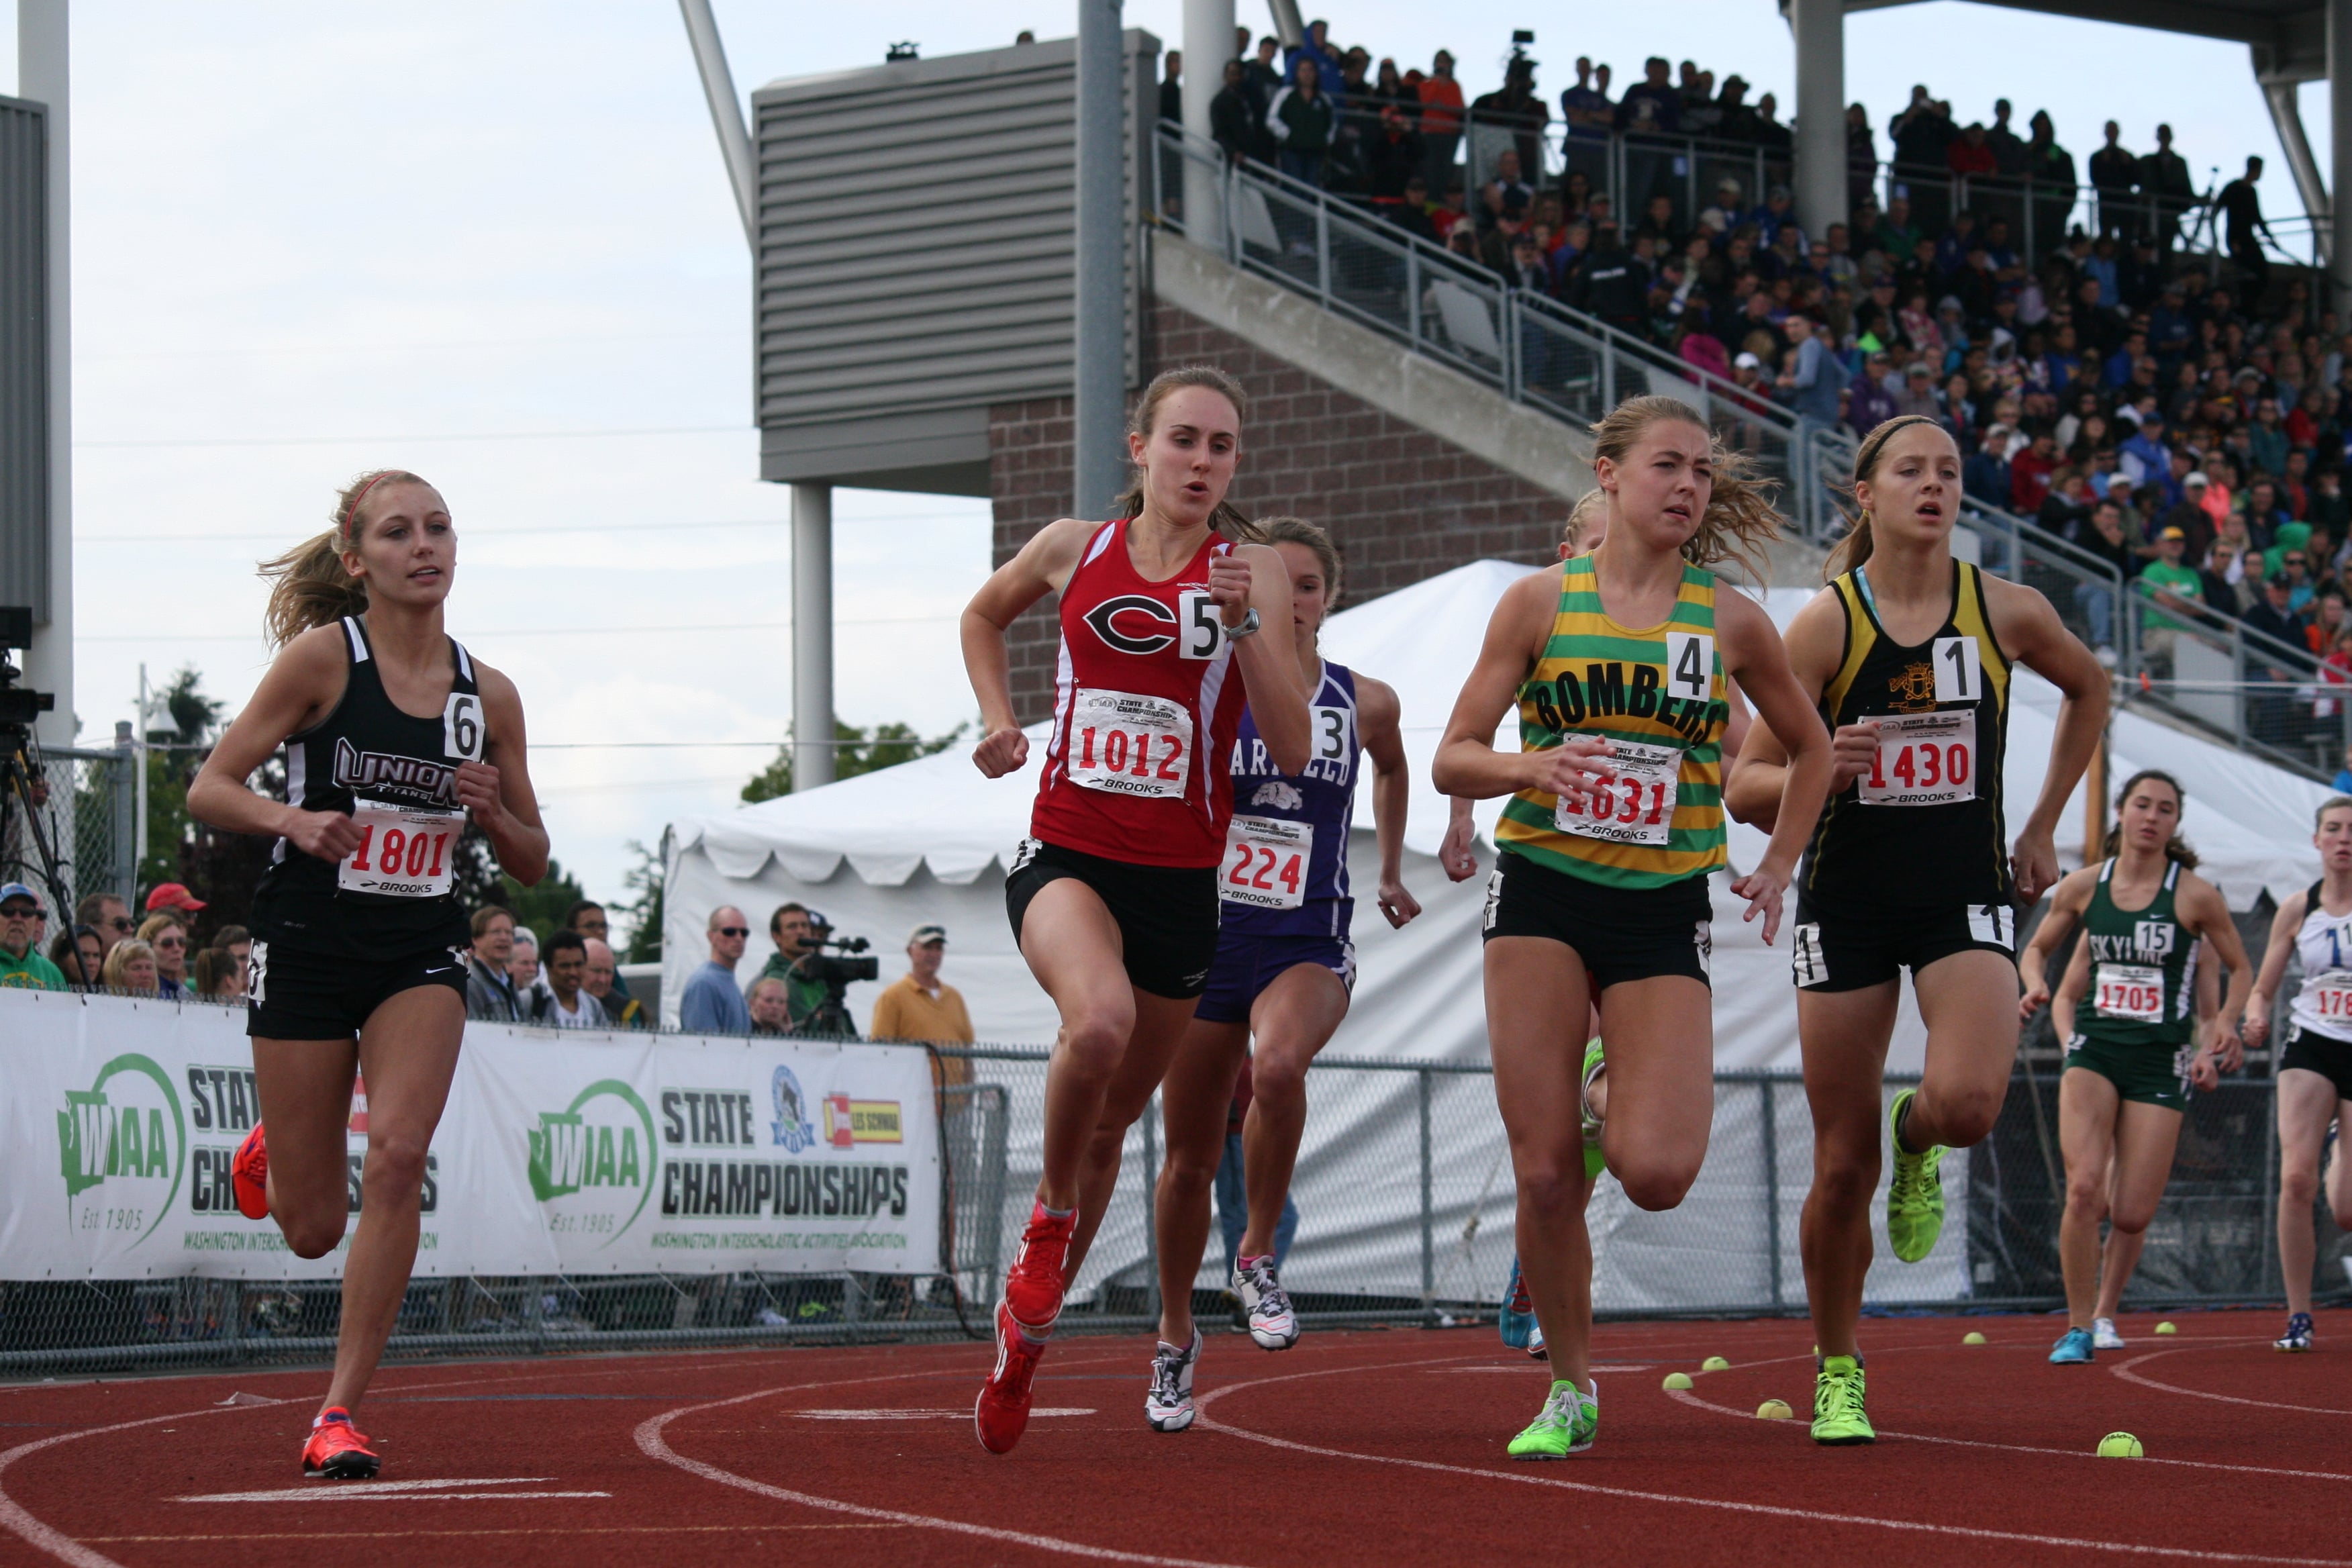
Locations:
{"points": [[1618, 664]]}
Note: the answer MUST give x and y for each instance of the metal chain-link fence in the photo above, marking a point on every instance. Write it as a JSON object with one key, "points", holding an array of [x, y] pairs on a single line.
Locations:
{"points": [[84, 816], [1405, 1196]]}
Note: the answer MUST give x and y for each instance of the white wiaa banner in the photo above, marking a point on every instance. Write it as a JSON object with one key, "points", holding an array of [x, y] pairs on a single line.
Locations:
{"points": [[560, 1152]]}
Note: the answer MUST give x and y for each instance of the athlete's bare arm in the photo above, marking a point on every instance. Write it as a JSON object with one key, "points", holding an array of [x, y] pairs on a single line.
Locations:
{"points": [[1253, 577], [2066, 907], [303, 685], [1041, 567], [1379, 712], [2029, 631], [1753, 653], [2205, 911], [1455, 855], [2202, 1073], [2254, 1019], [496, 792], [1466, 763], [2070, 986], [1753, 786]]}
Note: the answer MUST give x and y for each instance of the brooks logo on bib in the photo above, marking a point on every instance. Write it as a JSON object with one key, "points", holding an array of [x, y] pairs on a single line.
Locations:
{"points": [[1265, 862]]}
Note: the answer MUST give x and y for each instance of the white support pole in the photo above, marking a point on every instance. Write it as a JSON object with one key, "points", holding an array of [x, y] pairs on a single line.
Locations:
{"points": [[2339, 147], [812, 636], [1208, 44], [1100, 389], [2286, 119], [1818, 29], [725, 112], [42, 75]]}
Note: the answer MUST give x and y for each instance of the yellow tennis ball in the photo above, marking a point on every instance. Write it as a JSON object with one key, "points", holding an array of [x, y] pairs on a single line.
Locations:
{"points": [[1972, 1338], [1678, 1380], [1773, 1410], [2166, 1328], [2120, 1446], [1714, 1363]]}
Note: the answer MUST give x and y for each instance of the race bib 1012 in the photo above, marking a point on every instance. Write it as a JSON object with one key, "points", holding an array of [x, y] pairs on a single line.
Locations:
{"points": [[1128, 744]]}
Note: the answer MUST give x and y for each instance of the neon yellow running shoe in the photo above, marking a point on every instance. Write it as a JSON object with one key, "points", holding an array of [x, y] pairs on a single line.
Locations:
{"points": [[1915, 1203], [1838, 1418], [1568, 1421], [1594, 1065]]}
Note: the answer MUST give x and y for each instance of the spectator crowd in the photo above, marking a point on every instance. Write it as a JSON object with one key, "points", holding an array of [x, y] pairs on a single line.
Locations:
{"points": [[2179, 417]]}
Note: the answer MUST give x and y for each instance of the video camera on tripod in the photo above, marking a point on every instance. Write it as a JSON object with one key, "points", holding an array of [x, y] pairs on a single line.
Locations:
{"points": [[24, 787], [19, 706], [836, 975]]}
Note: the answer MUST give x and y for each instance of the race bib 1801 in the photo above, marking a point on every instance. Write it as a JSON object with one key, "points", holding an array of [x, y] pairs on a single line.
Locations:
{"points": [[1267, 859], [404, 853], [1637, 806], [1127, 745], [1923, 759], [2130, 991]]}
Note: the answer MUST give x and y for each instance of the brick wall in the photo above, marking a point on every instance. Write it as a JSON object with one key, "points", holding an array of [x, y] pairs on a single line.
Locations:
{"points": [[1403, 503]]}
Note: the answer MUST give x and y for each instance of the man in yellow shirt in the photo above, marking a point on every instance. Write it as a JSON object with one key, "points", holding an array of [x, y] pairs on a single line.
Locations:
{"points": [[922, 1007]]}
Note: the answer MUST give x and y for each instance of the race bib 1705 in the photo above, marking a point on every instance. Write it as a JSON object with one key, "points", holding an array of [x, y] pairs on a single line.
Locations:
{"points": [[2130, 991], [404, 853], [1266, 860], [1637, 806], [1923, 759], [1127, 745]]}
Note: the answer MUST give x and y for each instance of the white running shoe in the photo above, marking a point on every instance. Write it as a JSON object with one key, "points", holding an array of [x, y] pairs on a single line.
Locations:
{"points": [[1169, 1406], [1536, 1351], [1271, 1321], [2103, 1336]]}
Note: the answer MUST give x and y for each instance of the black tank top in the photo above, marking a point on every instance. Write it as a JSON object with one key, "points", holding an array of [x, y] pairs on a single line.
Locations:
{"points": [[1924, 830], [396, 774]]}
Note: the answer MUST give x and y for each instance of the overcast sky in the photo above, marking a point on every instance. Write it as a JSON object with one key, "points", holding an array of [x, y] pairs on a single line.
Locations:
{"points": [[493, 243]]}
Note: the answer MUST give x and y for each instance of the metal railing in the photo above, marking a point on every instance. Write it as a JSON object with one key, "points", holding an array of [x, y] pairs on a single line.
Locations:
{"points": [[1406, 1206]]}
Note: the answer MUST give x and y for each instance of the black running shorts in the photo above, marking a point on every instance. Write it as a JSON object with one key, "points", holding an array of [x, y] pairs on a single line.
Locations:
{"points": [[1620, 934], [2330, 1058], [1844, 949], [299, 995], [1167, 915]]}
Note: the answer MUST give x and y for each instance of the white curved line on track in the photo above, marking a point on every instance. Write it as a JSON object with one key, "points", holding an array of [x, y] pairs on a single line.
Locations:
{"points": [[2128, 1375], [1686, 1397], [1808, 1517], [55, 1542], [652, 1442]]}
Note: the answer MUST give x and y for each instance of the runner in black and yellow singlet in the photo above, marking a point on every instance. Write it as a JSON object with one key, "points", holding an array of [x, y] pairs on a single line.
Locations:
{"points": [[2129, 1006], [1618, 664], [1910, 654]]}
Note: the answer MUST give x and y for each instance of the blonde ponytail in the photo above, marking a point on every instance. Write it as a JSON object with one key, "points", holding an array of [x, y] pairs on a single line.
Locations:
{"points": [[308, 585]]}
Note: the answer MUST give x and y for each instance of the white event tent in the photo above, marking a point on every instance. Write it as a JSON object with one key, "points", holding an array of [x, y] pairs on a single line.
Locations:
{"points": [[928, 842]]}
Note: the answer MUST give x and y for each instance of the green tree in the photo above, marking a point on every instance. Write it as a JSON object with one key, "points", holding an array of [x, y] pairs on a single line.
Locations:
{"points": [[189, 722], [860, 751], [542, 907], [646, 879]]}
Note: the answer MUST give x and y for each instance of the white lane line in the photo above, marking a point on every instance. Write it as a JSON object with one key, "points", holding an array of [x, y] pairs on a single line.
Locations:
{"points": [[887, 1413], [57, 1542], [341, 1495], [363, 1491], [1686, 1397], [1808, 1517], [651, 1442], [2128, 1375]]}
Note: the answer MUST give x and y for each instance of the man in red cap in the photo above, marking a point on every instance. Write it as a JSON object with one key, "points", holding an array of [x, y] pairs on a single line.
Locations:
{"points": [[173, 896]]}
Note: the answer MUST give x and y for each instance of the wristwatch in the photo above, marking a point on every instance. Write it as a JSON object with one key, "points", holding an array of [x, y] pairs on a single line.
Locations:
{"points": [[1250, 622]]}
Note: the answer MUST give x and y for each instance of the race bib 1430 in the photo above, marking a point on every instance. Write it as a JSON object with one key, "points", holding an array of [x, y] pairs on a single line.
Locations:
{"points": [[1923, 759]]}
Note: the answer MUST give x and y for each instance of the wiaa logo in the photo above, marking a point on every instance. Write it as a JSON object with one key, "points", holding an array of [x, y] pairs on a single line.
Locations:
{"points": [[603, 1140], [1280, 795], [127, 1127], [1150, 626]]}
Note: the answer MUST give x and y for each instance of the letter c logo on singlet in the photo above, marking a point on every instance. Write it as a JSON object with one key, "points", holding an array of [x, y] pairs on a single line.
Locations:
{"points": [[1133, 623]]}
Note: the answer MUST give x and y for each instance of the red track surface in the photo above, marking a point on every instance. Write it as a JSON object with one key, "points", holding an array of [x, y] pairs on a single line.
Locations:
{"points": [[1352, 1448]]}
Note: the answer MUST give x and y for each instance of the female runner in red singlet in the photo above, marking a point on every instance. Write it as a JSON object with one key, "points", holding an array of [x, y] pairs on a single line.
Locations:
{"points": [[1113, 896]]}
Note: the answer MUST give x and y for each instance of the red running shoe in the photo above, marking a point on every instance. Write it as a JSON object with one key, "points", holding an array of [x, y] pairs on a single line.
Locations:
{"points": [[338, 1451], [1000, 1414], [249, 1176], [1033, 1287]]}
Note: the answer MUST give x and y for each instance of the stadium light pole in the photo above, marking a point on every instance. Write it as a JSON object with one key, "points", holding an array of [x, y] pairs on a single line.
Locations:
{"points": [[1099, 357], [43, 55], [1208, 44], [1818, 29], [813, 723]]}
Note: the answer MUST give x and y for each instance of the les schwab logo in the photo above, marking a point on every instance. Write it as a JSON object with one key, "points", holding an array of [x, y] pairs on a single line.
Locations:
{"points": [[840, 1122]]}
